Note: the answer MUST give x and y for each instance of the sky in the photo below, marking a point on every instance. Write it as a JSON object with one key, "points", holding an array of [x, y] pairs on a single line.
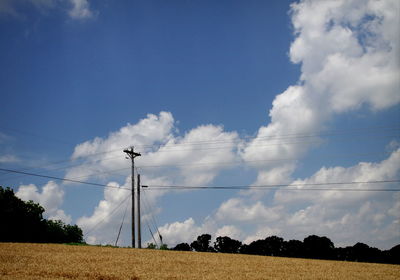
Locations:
{"points": [[295, 102]]}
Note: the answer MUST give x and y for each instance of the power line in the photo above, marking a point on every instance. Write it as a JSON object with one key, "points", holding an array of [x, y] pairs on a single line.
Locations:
{"points": [[107, 215], [53, 169], [120, 228], [62, 179], [170, 147], [275, 186], [287, 186], [194, 165], [238, 162], [266, 138], [166, 149], [347, 155], [153, 218]]}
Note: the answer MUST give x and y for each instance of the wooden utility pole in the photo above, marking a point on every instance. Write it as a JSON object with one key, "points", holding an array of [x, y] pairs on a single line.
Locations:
{"points": [[138, 205], [131, 154]]}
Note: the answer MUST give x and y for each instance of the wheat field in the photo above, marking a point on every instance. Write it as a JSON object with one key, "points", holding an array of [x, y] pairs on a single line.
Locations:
{"points": [[51, 261]]}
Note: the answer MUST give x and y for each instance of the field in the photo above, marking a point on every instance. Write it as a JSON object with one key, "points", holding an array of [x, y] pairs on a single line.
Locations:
{"points": [[48, 261]]}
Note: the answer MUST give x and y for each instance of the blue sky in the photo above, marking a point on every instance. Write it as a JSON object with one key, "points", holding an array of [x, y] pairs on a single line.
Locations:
{"points": [[213, 93]]}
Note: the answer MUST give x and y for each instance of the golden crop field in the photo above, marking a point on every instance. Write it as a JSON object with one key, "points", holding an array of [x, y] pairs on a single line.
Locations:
{"points": [[50, 261]]}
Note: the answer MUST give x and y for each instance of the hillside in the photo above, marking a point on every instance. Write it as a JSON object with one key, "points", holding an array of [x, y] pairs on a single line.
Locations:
{"points": [[50, 261]]}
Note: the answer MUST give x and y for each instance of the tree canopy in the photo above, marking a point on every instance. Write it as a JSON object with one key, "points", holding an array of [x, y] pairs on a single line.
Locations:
{"points": [[22, 221], [313, 246]]}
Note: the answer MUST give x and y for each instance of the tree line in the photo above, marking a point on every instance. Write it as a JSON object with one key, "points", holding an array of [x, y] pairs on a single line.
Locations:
{"points": [[313, 247], [22, 221]]}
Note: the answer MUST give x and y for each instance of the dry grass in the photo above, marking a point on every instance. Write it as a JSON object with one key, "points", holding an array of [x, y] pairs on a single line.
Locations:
{"points": [[47, 261]]}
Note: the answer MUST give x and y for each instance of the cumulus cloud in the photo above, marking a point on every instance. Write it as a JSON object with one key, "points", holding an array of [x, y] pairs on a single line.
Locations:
{"points": [[362, 172], [161, 149], [341, 215], [349, 56], [237, 210], [50, 197], [229, 230], [167, 159], [262, 233], [179, 232], [102, 226]]}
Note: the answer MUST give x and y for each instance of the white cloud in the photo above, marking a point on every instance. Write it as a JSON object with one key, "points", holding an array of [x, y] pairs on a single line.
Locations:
{"points": [[81, 10], [237, 210], [102, 226], [197, 154], [262, 233], [349, 52], [51, 198], [362, 172], [349, 56], [179, 232], [345, 217], [230, 231], [154, 137], [150, 131]]}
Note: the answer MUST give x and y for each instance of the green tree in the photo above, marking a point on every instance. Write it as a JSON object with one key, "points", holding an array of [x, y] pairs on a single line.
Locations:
{"points": [[227, 245], [182, 247], [202, 244], [151, 246], [317, 247], [22, 221]]}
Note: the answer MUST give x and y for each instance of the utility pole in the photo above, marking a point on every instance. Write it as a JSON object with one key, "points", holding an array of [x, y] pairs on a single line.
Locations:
{"points": [[131, 154], [138, 205]]}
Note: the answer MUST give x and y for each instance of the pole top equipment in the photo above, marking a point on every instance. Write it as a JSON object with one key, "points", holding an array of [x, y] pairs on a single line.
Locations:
{"points": [[131, 153]]}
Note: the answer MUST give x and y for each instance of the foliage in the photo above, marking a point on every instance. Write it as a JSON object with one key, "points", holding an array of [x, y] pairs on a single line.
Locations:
{"points": [[151, 246], [317, 247], [227, 245], [182, 247], [202, 244], [164, 247], [22, 221], [313, 247]]}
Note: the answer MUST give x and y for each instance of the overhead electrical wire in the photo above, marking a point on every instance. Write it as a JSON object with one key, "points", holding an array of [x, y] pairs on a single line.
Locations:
{"points": [[62, 179], [277, 137], [170, 147], [146, 208], [238, 162], [288, 186], [53, 169], [260, 139], [167, 148], [230, 163], [155, 224], [347, 155], [275, 186], [120, 228], [107, 215]]}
